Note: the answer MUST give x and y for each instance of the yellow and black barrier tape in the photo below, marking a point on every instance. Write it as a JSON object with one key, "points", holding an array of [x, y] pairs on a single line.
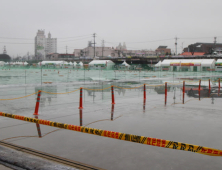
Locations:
{"points": [[122, 136]]}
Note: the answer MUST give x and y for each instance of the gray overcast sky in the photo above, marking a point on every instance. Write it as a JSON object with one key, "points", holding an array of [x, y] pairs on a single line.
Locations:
{"points": [[130, 21]]}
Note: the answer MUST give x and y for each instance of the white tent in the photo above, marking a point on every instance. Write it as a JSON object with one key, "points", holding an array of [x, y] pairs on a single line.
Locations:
{"points": [[2, 63], [80, 63], [74, 64], [51, 62], [218, 65], [125, 64], [158, 64], [101, 64], [188, 64], [25, 63]]}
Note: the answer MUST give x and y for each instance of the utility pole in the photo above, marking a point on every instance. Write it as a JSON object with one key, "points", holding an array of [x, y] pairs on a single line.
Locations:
{"points": [[102, 46], [66, 49], [94, 36], [215, 41], [4, 50], [176, 45], [182, 47]]}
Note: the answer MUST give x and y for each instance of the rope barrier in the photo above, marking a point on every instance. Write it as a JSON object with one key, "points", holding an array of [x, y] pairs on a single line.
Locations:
{"points": [[96, 89], [155, 85], [20, 97], [123, 136], [175, 83], [128, 88], [61, 93]]}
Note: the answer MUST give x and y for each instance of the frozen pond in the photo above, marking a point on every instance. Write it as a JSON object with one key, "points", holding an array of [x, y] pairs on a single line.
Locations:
{"points": [[195, 122]]}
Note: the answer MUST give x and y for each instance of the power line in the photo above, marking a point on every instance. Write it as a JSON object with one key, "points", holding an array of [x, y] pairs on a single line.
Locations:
{"points": [[76, 39], [14, 43], [76, 36], [15, 38], [34, 43]]}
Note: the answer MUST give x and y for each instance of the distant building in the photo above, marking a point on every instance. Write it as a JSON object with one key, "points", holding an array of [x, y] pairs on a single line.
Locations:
{"points": [[163, 50], [43, 45], [5, 57], [119, 51], [99, 51], [57, 56], [206, 48], [50, 44], [189, 53]]}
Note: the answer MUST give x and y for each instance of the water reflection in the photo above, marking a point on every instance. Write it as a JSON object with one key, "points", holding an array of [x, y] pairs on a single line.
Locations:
{"points": [[80, 117], [38, 127], [161, 89], [194, 92], [51, 93], [144, 105], [112, 111]]}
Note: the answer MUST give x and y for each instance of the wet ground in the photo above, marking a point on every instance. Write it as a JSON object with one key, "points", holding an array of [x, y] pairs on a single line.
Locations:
{"points": [[195, 122]]}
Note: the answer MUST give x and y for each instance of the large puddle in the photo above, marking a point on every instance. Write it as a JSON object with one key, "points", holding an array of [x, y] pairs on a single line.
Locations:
{"points": [[196, 122]]}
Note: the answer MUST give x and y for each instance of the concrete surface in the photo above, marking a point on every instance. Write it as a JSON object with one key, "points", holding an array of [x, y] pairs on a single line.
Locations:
{"points": [[2, 167]]}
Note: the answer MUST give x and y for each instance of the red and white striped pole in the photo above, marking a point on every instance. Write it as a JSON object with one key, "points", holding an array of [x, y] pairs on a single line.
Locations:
{"points": [[209, 88], [199, 88], [183, 91], [37, 103], [80, 99], [165, 93], [219, 87], [112, 92]]}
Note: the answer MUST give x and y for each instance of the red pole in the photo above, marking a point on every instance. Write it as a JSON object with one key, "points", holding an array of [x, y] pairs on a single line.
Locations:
{"points": [[80, 117], [219, 87], [144, 92], [165, 93], [209, 88], [199, 88], [37, 103], [183, 90], [80, 99], [112, 92]]}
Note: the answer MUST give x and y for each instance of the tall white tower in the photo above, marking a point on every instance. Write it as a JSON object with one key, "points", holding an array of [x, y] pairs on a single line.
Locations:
{"points": [[51, 44], [40, 45], [43, 45]]}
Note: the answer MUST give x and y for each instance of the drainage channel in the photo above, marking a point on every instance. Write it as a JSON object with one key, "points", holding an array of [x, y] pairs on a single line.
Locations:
{"points": [[50, 157]]}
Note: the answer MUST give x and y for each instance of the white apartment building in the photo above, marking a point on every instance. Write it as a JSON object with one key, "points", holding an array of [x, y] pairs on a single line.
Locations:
{"points": [[43, 45]]}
